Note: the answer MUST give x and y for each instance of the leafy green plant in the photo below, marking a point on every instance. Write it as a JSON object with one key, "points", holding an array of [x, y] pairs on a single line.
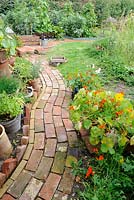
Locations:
{"points": [[23, 69], [36, 67], [108, 116], [10, 106], [9, 85], [7, 42]]}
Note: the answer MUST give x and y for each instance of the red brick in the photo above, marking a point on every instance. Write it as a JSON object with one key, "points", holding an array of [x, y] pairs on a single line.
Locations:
{"points": [[39, 114], [39, 125], [50, 186], [59, 101], [48, 108], [61, 94], [66, 103], [65, 113], [58, 121], [24, 140], [48, 90], [26, 121], [34, 160], [50, 131], [48, 118], [45, 97], [7, 197], [56, 110], [61, 134], [55, 85], [20, 152], [52, 99], [25, 129], [39, 141], [8, 166], [50, 147], [62, 87], [2, 178], [68, 124]]}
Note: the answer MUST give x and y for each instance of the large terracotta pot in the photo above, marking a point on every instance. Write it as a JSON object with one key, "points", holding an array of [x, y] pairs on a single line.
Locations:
{"points": [[85, 137], [4, 69], [5, 145], [3, 55]]}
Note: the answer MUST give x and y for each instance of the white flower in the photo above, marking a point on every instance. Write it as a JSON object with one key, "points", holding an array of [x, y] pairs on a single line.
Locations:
{"points": [[98, 71]]}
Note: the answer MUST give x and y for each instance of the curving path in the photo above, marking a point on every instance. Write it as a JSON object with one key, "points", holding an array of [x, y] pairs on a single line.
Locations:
{"points": [[45, 170]]}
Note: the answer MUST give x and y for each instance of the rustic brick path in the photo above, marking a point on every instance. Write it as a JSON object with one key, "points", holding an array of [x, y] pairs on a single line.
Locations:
{"points": [[45, 170]]}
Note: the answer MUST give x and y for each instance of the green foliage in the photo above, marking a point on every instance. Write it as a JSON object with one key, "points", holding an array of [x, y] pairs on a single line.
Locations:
{"points": [[23, 69], [7, 41], [10, 106], [9, 85], [36, 67], [112, 179], [6, 5]]}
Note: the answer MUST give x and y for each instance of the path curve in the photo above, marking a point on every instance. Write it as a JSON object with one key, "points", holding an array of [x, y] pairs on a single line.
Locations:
{"points": [[45, 170]]}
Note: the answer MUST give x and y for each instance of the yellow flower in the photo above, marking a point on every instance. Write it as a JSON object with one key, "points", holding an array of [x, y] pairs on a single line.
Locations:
{"points": [[119, 96], [121, 161]]}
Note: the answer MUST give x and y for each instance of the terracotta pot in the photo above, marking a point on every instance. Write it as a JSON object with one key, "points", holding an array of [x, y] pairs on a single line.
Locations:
{"points": [[12, 60], [85, 137], [35, 85], [3, 55], [5, 145], [4, 69]]}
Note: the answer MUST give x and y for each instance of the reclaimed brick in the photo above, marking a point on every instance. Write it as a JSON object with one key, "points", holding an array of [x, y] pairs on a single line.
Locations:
{"points": [[24, 140], [31, 136], [62, 147], [6, 185], [20, 150], [50, 186], [41, 104], [48, 118], [39, 114], [45, 97], [72, 139], [34, 160], [9, 165], [61, 134], [68, 125], [50, 147], [39, 141], [58, 121], [59, 162], [39, 125], [44, 168], [18, 170], [50, 131], [25, 130], [31, 190], [52, 99], [56, 110], [58, 101], [7, 197], [65, 113], [19, 184], [31, 123], [28, 152], [48, 107], [67, 181], [2, 178], [60, 196]]}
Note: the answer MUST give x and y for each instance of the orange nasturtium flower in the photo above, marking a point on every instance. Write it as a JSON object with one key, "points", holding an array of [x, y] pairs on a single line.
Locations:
{"points": [[71, 107], [95, 150], [101, 157], [103, 126], [119, 112], [89, 172]]}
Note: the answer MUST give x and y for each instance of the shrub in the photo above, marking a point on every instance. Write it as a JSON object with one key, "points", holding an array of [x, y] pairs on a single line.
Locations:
{"points": [[108, 117]]}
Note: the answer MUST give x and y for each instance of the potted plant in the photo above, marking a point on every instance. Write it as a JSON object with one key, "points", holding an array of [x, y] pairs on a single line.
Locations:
{"points": [[5, 145], [9, 84], [108, 118], [7, 48], [11, 107], [36, 68]]}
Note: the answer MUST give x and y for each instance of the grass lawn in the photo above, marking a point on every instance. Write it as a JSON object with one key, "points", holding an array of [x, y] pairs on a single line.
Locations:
{"points": [[79, 58], [76, 54]]}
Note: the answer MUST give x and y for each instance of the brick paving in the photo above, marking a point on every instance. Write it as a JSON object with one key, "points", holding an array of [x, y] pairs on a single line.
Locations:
{"points": [[44, 173]]}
